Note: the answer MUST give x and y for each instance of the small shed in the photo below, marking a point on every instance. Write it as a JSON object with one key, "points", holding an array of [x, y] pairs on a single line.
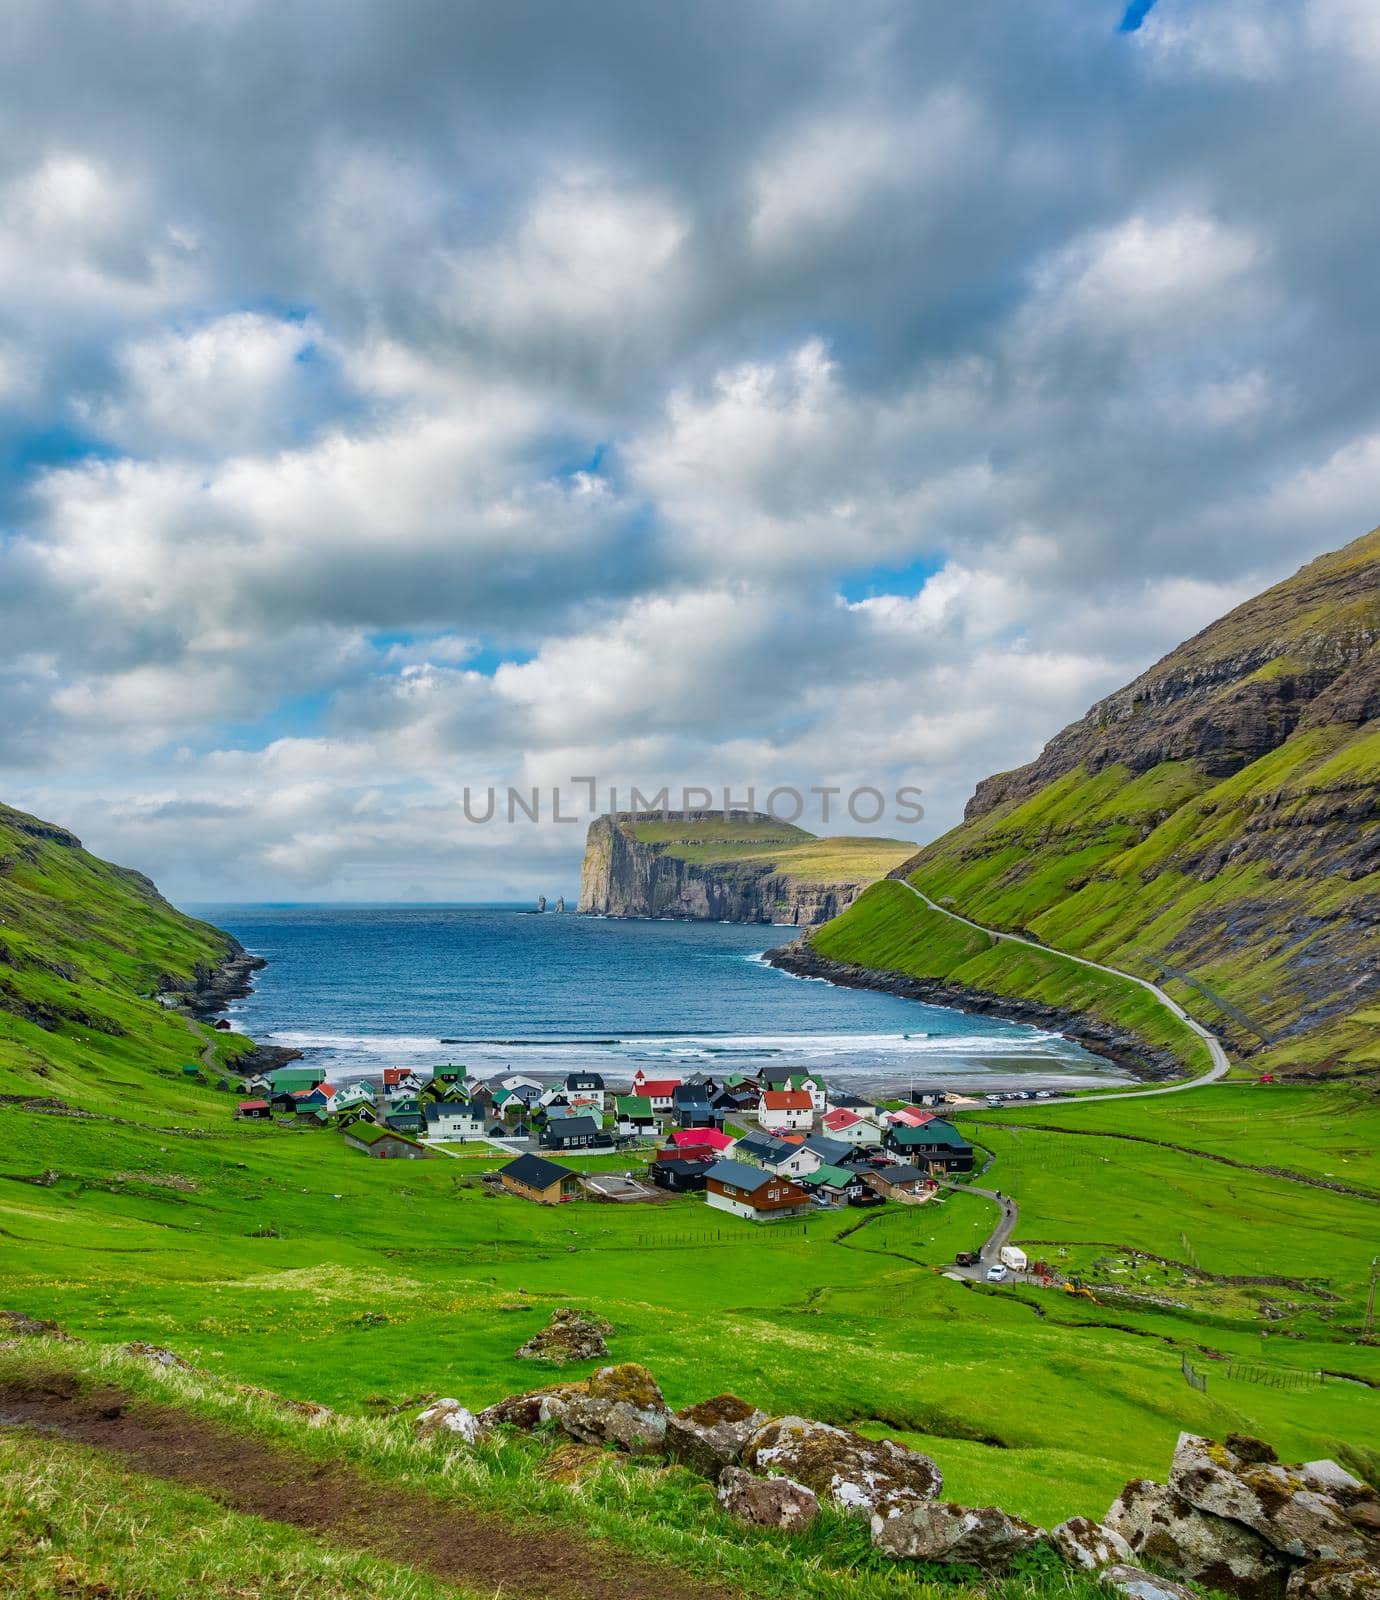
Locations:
{"points": [[384, 1144]]}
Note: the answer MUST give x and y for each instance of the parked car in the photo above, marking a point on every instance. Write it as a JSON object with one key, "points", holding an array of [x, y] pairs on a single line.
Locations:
{"points": [[967, 1258], [996, 1274]]}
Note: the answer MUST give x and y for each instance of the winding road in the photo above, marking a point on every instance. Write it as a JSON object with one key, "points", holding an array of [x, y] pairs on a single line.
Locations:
{"points": [[1220, 1064]]}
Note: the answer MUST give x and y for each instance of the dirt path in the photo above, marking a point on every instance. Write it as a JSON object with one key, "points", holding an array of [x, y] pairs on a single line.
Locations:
{"points": [[208, 1046], [341, 1504], [1220, 1064]]}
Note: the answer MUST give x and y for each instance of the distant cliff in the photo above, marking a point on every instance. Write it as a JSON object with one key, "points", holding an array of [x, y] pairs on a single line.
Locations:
{"points": [[746, 868]]}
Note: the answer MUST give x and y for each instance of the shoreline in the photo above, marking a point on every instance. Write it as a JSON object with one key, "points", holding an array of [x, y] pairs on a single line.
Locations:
{"points": [[1119, 1046]]}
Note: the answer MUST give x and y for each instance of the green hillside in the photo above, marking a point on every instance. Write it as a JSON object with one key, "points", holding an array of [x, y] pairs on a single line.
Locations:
{"points": [[1213, 827], [84, 948]]}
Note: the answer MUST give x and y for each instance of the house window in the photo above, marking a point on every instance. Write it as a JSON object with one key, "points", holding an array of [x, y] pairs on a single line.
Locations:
{"points": [[773, 1194]]}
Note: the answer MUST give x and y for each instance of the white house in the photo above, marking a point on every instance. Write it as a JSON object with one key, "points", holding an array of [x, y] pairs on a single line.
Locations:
{"points": [[849, 1127], [453, 1119], [586, 1088], [793, 1161], [812, 1084], [786, 1110]]}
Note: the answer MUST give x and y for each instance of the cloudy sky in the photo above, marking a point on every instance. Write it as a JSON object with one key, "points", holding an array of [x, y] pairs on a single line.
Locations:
{"points": [[402, 395]]}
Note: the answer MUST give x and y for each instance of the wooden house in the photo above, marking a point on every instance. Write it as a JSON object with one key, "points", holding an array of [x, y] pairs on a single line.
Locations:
{"points": [[534, 1178], [750, 1192]]}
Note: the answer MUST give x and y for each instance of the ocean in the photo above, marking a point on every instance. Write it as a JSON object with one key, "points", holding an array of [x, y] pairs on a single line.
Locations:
{"points": [[501, 988]]}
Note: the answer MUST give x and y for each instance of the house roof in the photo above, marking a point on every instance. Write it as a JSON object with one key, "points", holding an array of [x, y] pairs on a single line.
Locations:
{"points": [[787, 1100], [740, 1175], [762, 1144], [692, 1138], [658, 1087], [633, 1105], [830, 1151], [252, 1105], [834, 1177], [685, 1168], [934, 1132], [854, 1102], [840, 1118], [573, 1127], [535, 1172], [911, 1117], [904, 1174], [584, 1080]]}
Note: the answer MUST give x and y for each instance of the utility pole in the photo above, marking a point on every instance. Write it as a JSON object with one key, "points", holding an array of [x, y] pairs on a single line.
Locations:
{"points": [[1370, 1301]]}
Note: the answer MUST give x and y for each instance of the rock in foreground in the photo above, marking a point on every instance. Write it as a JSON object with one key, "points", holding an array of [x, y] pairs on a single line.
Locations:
{"points": [[1088, 1545], [931, 1530], [872, 1477], [1193, 1544], [448, 1418], [620, 1405], [767, 1502], [714, 1433]]}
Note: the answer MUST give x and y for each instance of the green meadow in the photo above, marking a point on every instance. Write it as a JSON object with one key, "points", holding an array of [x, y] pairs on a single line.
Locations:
{"points": [[279, 1257]]}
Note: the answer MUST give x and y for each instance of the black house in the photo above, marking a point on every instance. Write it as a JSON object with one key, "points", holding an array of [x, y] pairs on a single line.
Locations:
{"points": [[681, 1177], [572, 1133], [584, 1083]]}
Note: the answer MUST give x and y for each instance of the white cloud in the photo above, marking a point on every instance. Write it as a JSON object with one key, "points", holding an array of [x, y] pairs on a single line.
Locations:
{"points": [[1173, 274], [236, 383]]}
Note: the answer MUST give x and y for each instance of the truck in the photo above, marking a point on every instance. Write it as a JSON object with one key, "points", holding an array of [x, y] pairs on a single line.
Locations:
{"points": [[1013, 1257]]}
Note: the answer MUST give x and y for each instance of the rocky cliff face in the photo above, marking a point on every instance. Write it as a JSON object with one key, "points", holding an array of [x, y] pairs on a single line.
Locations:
{"points": [[624, 877], [1303, 654]]}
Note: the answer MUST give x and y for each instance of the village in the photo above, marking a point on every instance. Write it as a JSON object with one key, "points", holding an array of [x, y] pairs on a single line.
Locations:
{"points": [[766, 1148]]}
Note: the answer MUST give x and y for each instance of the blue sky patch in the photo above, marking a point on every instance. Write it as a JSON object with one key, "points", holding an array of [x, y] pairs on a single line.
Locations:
{"points": [[907, 580]]}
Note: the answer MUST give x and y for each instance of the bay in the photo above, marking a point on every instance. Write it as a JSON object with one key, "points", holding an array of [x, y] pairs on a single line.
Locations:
{"points": [[502, 988]]}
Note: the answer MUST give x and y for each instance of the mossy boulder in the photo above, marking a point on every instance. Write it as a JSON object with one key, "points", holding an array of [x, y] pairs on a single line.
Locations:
{"points": [[767, 1502], [869, 1477], [620, 1405], [931, 1530], [1089, 1546], [713, 1434], [1336, 1580], [570, 1335], [1273, 1500], [1189, 1543]]}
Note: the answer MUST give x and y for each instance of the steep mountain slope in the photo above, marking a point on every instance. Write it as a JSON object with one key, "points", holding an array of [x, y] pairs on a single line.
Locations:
{"points": [[744, 868], [1213, 825], [85, 948]]}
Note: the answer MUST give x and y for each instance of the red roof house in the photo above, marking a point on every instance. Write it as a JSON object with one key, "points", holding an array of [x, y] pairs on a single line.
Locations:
{"points": [[697, 1138]]}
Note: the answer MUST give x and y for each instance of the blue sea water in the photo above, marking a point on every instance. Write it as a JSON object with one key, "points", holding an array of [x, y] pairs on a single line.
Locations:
{"points": [[503, 988]]}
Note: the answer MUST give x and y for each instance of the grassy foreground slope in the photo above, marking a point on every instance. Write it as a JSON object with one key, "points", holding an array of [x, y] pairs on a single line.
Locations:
{"points": [[1213, 826], [84, 948]]}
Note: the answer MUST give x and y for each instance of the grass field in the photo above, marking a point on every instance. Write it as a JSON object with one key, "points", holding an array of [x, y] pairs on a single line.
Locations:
{"points": [[785, 848], [384, 1280]]}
